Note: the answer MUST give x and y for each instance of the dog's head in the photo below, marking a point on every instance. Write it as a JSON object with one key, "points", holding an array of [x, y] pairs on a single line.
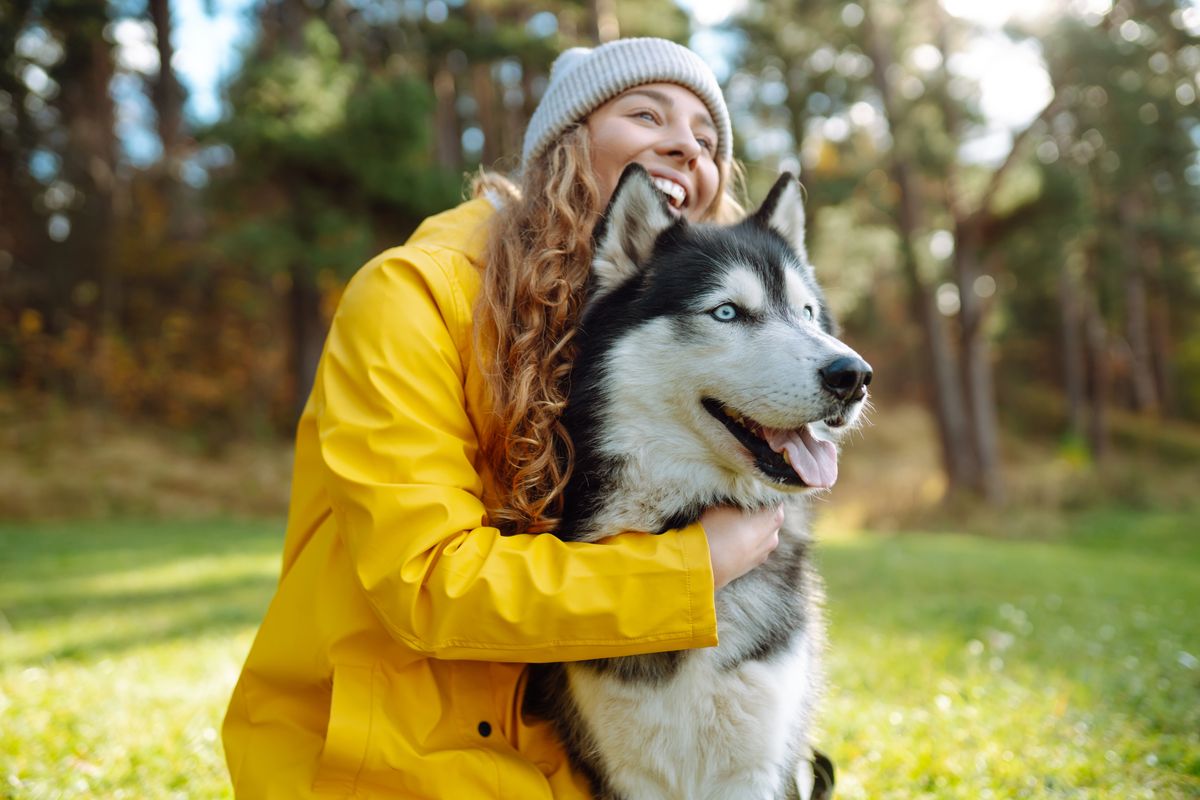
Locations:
{"points": [[711, 345]]}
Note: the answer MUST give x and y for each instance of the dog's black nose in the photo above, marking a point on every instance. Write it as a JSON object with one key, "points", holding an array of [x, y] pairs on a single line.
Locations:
{"points": [[845, 377]]}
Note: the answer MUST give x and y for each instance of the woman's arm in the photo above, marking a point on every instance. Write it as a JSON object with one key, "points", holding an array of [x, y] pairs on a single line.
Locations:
{"points": [[398, 448]]}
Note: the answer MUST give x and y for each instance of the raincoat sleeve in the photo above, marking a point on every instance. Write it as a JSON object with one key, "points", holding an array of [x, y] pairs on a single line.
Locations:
{"points": [[398, 449]]}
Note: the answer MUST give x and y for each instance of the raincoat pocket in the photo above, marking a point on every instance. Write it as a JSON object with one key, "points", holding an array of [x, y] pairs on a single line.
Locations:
{"points": [[348, 735]]}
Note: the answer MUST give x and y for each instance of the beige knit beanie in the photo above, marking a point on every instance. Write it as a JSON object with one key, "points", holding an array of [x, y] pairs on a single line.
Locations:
{"points": [[582, 79]]}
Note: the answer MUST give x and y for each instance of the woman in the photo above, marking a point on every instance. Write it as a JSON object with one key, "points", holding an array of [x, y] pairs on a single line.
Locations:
{"points": [[429, 459]]}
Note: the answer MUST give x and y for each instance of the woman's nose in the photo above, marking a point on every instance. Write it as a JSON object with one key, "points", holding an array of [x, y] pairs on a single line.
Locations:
{"points": [[681, 143]]}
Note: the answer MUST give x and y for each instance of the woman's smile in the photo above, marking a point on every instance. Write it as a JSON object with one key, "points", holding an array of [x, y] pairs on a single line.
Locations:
{"points": [[669, 131]]}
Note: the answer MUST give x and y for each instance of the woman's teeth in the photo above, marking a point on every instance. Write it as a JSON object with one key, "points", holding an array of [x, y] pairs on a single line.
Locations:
{"points": [[675, 193]]}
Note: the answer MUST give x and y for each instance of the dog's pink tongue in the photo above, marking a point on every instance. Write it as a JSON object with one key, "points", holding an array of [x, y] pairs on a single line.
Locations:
{"points": [[814, 460]]}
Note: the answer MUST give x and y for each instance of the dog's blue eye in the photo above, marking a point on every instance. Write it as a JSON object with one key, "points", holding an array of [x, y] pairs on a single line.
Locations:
{"points": [[808, 313], [726, 312]]}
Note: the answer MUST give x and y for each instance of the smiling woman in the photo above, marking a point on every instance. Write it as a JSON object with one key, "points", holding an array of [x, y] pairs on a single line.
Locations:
{"points": [[392, 660], [642, 101], [667, 130]]}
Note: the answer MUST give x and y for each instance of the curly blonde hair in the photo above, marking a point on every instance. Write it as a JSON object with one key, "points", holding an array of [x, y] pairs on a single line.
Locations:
{"points": [[535, 274]]}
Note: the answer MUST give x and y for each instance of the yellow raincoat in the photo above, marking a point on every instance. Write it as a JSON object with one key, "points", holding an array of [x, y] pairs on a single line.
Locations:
{"points": [[391, 660]]}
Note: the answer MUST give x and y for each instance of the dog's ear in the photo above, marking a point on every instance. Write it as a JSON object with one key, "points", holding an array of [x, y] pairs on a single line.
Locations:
{"points": [[783, 212], [637, 214]]}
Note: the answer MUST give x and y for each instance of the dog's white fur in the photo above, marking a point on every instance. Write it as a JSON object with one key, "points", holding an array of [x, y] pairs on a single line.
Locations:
{"points": [[727, 725], [748, 719]]}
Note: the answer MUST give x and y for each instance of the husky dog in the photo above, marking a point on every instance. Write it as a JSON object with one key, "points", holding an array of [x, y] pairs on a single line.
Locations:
{"points": [[707, 374]]}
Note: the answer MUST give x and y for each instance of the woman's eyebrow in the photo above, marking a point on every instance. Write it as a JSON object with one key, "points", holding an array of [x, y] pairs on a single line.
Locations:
{"points": [[701, 118]]}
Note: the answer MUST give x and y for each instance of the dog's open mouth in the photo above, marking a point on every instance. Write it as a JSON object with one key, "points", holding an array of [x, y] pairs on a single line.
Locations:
{"points": [[788, 456]]}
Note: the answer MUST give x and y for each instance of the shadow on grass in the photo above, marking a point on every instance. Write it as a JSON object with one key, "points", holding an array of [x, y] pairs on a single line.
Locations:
{"points": [[51, 614], [55, 607], [216, 622], [84, 549]]}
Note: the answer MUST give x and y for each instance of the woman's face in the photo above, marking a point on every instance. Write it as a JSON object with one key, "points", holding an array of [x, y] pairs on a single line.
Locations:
{"points": [[666, 129]]}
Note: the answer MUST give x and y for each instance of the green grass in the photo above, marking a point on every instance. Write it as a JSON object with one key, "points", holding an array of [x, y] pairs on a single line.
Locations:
{"points": [[979, 668], [121, 643], [960, 667]]}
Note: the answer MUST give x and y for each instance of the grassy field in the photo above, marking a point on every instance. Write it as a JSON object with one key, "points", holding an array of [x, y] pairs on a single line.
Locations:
{"points": [[966, 667], [1064, 666], [121, 645]]}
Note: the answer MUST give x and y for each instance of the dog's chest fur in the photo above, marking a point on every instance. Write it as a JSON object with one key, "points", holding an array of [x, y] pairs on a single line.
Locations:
{"points": [[728, 722], [708, 732]]}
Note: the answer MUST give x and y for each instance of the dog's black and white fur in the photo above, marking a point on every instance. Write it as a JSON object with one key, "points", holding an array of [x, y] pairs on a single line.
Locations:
{"points": [[701, 349]]}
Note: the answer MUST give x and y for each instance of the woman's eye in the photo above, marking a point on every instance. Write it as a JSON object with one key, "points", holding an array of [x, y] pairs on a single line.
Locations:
{"points": [[726, 312], [706, 144], [646, 115], [808, 313]]}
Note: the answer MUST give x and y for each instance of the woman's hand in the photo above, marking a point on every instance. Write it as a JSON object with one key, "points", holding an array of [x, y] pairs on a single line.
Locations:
{"points": [[738, 541]]}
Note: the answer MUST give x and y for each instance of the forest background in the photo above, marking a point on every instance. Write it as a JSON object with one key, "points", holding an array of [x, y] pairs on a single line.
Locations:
{"points": [[1026, 284], [1035, 277]]}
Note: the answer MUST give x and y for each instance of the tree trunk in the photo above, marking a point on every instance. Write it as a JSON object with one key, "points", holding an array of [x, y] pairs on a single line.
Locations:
{"points": [[83, 251], [958, 455], [1074, 363], [603, 18], [1137, 326], [1099, 361], [975, 352], [25, 280], [976, 355], [307, 334], [484, 89], [528, 78], [447, 139], [89, 162], [1160, 330], [1099, 379], [165, 92], [971, 228], [167, 95]]}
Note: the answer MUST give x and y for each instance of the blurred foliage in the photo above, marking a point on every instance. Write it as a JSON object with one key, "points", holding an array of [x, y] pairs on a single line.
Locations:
{"points": [[1083, 266], [191, 285], [325, 152]]}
